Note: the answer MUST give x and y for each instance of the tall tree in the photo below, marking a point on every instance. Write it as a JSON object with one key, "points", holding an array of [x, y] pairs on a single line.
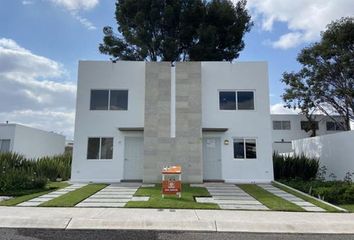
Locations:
{"points": [[326, 80], [177, 30]]}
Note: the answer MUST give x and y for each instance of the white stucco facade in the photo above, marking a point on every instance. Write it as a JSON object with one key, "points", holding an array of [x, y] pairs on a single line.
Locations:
{"points": [[225, 125], [31, 142], [281, 138]]}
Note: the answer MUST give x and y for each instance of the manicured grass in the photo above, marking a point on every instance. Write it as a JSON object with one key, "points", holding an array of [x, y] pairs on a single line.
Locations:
{"points": [[70, 199], [186, 201], [349, 207], [270, 200], [307, 198], [25, 195]]}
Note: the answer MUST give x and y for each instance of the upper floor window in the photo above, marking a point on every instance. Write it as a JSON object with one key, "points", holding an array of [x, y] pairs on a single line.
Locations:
{"points": [[99, 100], [305, 125], [100, 148], [4, 145], [281, 125], [245, 148], [236, 100], [334, 126], [109, 100]]}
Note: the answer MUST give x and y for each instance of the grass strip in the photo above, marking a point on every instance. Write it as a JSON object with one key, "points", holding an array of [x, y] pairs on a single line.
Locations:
{"points": [[26, 195], [315, 202], [349, 207], [270, 200], [70, 199], [185, 202]]}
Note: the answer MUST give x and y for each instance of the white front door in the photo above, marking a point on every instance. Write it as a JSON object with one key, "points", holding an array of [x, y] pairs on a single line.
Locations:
{"points": [[133, 158], [211, 158]]}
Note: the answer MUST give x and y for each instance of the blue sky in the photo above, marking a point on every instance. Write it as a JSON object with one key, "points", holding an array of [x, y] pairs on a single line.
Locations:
{"points": [[41, 42]]}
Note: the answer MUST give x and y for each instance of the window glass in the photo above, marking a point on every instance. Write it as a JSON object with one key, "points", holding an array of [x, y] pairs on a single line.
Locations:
{"points": [[99, 100], [305, 125], [93, 148], [107, 148], [251, 148], [119, 100], [330, 126], [5, 145], [227, 100], [239, 148], [245, 100], [286, 125], [276, 125]]}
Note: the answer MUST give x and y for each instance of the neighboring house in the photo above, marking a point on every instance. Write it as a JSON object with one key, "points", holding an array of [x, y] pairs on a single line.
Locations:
{"points": [[134, 118], [30, 142], [288, 127]]}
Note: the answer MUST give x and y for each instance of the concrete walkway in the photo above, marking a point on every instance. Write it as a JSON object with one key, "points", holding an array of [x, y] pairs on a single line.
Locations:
{"points": [[47, 197], [114, 195], [170, 219], [291, 198], [229, 196]]}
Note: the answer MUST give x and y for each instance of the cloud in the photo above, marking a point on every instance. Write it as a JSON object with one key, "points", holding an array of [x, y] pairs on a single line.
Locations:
{"points": [[30, 92], [75, 6], [27, 2], [279, 108], [304, 19]]}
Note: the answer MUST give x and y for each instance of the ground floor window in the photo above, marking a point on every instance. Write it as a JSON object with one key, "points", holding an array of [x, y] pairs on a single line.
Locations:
{"points": [[4, 145], [245, 148], [99, 148]]}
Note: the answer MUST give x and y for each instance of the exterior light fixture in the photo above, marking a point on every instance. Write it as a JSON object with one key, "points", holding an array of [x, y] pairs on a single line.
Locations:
{"points": [[226, 142]]}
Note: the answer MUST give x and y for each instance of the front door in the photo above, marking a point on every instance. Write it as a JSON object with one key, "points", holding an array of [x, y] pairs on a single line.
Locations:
{"points": [[211, 158], [133, 158]]}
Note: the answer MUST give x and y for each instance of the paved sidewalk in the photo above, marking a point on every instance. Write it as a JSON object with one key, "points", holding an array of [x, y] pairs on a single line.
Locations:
{"points": [[229, 196], [291, 198], [47, 197], [179, 220], [114, 195]]}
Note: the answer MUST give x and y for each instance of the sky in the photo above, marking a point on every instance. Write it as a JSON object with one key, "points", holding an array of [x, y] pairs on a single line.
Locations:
{"points": [[41, 42]]}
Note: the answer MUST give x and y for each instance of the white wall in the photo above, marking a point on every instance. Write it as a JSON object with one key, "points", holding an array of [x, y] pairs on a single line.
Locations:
{"points": [[335, 151], [32, 142], [295, 131], [240, 123], [7, 131], [106, 75]]}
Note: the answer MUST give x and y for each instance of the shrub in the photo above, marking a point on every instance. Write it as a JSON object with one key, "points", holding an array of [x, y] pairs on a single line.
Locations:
{"points": [[19, 173], [296, 166]]}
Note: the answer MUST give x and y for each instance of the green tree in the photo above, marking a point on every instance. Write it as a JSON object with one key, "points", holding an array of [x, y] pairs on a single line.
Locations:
{"points": [[326, 80], [177, 30]]}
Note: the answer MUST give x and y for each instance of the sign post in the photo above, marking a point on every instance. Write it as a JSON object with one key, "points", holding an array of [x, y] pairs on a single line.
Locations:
{"points": [[172, 181]]}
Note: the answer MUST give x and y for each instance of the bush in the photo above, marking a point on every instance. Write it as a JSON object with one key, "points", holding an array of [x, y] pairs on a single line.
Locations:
{"points": [[336, 192], [295, 167], [18, 173], [55, 167]]}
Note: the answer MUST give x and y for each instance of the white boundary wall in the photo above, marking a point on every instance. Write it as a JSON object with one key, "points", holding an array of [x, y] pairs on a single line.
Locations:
{"points": [[336, 151]]}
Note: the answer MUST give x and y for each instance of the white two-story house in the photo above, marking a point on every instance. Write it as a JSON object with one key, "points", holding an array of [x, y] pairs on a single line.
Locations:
{"points": [[134, 118], [288, 127]]}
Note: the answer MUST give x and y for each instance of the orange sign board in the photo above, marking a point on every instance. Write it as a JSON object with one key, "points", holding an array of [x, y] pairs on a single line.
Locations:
{"points": [[172, 170], [171, 187]]}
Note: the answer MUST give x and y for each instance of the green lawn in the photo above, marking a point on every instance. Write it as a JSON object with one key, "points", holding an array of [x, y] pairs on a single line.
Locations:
{"points": [[307, 198], [70, 199], [25, 195], [349, 207], [270, 200], [186, 201]]}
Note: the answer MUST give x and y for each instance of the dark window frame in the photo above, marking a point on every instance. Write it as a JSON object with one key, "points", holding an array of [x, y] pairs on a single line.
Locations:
{"points": [[282, 124], [245, 152], [237, 106], [109, 100], [304, 125], [99, 150], [126, 91]]}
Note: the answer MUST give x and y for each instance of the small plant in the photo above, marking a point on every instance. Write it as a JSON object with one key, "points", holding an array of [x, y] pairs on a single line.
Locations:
{"points": [[321, 174], [348, 178]]}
